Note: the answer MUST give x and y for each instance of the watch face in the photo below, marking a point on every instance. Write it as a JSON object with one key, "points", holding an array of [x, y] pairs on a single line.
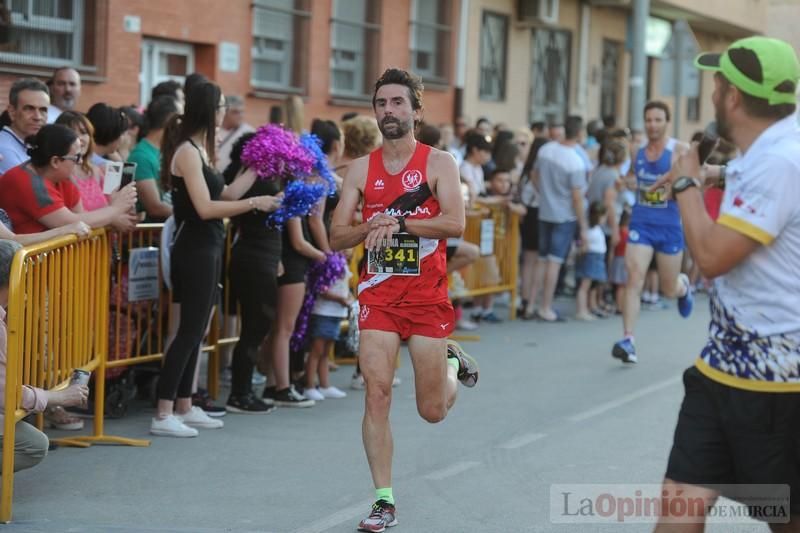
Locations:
{"points": [[682, 183]]}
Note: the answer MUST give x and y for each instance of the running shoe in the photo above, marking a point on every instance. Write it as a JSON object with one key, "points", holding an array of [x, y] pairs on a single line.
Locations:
{"points": [[381, 516], [625, 351], [467, 366], [249, 405], [686, 302], [357, 383], [491, 318], [203, 400], [289, 397]]}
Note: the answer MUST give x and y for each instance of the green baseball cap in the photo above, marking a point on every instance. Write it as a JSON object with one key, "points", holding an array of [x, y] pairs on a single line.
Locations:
{"points": [[759, 66]]}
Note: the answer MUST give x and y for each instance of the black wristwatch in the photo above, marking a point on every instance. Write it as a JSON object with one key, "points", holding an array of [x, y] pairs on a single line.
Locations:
{"points": [[681, 184], [402, 222]]}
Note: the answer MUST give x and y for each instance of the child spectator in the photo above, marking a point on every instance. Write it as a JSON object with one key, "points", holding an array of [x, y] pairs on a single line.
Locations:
{"points": [[618, 274], [498, 193], [479, 152], [325, 323], [591, 265]]}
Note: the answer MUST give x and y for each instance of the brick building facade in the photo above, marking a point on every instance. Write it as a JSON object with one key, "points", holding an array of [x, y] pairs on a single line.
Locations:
{"points": [[327, 51], [511, 60]]}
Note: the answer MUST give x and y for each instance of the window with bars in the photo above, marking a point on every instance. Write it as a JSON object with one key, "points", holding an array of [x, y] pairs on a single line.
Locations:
{"points": [[550, 75], [693, 108], [48, 33], [280, 45], [494, 38], [609, 88], [354, 47], [430, 39]]}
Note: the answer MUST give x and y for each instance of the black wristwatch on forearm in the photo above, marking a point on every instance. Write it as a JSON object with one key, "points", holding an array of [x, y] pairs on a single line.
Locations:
{"points": [[681, 184], [402, 222]]}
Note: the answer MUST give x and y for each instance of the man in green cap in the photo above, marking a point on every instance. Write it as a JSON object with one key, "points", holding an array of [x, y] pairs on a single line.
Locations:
{"points": [[739, 423]]}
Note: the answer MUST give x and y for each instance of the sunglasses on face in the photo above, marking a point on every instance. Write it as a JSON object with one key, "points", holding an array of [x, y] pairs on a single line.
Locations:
{"points": [[77, 159]]}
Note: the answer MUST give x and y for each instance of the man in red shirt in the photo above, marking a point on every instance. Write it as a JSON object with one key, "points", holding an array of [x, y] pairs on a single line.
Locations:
{"points": [[412, 203]]}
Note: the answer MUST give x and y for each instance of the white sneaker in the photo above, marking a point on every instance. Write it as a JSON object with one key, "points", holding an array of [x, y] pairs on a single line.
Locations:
{"points": [[313, 394], [358, 382], [457, 289], [396, 381], [332, 392], [198, 418], [466, 324], [171, 426]]}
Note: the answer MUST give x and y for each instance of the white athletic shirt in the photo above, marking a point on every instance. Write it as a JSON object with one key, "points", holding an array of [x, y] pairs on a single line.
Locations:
{"points": [[754, 340]]}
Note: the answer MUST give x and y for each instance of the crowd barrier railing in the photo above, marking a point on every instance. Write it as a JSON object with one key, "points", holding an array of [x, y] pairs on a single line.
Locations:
{"points": [[57, 322], [495, 229], [139, 328]]}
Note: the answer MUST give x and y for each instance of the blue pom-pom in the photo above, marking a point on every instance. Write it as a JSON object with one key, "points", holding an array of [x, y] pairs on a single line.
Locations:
{"points": [[313, 145], [299, 198]]}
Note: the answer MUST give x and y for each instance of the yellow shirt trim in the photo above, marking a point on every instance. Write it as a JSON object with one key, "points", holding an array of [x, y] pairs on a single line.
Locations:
{"points": [[746, 228], [746, 384]]}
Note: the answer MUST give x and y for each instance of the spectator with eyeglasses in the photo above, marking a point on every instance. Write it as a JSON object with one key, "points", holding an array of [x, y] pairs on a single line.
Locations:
{"points": [[28, 101], [40, 194]]}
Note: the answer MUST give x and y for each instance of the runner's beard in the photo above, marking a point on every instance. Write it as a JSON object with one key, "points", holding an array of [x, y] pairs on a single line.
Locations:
{"points": [[723, 127], [400, 131]]}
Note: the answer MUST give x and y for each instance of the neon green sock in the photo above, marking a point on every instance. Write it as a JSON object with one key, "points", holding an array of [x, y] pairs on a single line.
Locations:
{"points": [[453, 361], [385, 494]]}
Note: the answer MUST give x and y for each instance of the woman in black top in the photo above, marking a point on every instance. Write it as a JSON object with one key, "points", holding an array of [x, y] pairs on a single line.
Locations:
{"points": [[330, 137], [254, 281], [187, 151], [296, 255]]}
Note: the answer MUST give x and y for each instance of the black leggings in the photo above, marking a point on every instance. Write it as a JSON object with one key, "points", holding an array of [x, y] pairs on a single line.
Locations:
{"points": [[253, 274], [196, 265]]}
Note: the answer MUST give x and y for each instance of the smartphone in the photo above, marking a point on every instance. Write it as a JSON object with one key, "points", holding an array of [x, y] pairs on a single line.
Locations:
{"points": [[128, 173], [708, 142], [112, 176]]}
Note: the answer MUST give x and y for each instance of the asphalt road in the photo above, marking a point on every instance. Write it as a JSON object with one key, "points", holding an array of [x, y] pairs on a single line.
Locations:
{"points": [[552, 409]]}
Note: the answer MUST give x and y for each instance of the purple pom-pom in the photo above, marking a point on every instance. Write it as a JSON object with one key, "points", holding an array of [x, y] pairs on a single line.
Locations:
{"points": [[319, 279], [277, 153]]}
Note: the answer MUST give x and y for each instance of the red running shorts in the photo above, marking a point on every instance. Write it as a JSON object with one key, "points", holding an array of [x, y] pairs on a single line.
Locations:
{"points": [[435, 321]]}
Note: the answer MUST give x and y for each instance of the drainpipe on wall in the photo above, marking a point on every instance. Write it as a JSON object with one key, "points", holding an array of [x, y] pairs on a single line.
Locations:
{"points": [[461, 60], [636, 85], [582, 87]]}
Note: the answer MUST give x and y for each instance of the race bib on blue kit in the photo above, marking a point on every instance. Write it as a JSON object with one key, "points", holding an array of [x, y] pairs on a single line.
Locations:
{"points": [[399, 258], [656, 198]]}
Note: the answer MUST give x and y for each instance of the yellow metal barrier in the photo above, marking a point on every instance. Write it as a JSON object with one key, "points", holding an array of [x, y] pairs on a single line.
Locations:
{"points": [[505, 254], [57, 321], [138, 329]]}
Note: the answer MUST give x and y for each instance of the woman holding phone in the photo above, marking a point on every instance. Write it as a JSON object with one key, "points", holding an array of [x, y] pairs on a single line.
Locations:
{"points": [[40, 194]]}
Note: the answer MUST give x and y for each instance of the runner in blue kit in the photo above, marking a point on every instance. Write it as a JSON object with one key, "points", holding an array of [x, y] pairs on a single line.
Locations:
{"points": [[655, 228]]}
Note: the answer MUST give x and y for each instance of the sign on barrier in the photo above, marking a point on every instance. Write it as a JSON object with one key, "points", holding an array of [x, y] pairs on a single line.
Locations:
{"points": [[143, 275]]}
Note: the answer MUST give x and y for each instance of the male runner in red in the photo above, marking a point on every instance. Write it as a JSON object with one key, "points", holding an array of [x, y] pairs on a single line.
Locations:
{"points": [[413, 190]]}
